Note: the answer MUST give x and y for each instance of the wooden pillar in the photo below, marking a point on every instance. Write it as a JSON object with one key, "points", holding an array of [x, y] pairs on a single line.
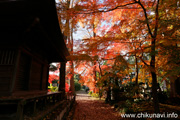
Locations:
{"points": [[72, 87], [62, 72], [20, 107], [47, 77]]}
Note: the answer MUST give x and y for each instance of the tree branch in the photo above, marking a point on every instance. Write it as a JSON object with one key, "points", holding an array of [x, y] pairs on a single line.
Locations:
{"points": [[157, 19], [100, 69], [153, 2], [146, 17], [117, 7], [143, 61]]}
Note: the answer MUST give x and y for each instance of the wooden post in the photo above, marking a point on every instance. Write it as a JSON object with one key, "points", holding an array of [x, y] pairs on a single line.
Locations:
{"points": [[34, 107], [20, 107], [62, 77]]}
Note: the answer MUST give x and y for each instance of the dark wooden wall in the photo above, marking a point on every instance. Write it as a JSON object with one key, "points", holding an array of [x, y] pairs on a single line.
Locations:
{"points": [[32, 73], [36, 72], [22, 71], [33, 66], [22, 78], [45, 77], [7, 59]]}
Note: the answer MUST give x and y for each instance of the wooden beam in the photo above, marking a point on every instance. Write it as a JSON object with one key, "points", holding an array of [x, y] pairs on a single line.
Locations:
{"points": [[62, 77]]}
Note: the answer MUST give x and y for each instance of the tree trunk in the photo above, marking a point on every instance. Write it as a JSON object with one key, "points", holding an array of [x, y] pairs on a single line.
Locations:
{"points": [[154, 77], [100, 75], [154, 92], [115, 89], [173, 91], [152, 63], [94, 53], [108, 98], [95, 76], [137, 72]]}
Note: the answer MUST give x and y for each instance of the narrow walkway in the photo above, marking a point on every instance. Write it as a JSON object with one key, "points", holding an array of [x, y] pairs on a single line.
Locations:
{"points": [[89, 108]]}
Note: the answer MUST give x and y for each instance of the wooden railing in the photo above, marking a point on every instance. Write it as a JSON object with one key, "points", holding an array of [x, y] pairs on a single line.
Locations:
{"points": [[70, 95], [46, 106]]}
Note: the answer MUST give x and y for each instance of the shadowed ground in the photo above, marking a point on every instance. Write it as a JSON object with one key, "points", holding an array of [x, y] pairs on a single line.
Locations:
{"points": [[90, 108]]}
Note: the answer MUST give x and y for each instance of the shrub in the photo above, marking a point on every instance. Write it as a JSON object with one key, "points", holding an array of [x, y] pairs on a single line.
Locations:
{"points": [[162, 96], [128, 106], [77, 85], [52, 88], [95, 95], [90, 92]]}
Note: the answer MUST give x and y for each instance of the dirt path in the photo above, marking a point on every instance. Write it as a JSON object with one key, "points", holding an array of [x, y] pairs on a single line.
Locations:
{"points": [[89, 108]]}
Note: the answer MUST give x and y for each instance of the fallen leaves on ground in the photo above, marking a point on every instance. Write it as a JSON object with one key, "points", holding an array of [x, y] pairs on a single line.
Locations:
{"points": [[88, 108]]}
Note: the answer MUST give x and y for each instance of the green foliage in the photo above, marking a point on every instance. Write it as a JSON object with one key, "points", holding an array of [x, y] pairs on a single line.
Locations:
{"points": [[90, 92], [136, 93], [95, 95], [55, 81], [130, 89], [100, 93], [77, 85], [52, 88], [128, 106], [76, 77]]}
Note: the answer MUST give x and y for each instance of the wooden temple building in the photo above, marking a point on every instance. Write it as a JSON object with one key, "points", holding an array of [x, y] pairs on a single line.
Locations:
{"points": [[30, 40]]}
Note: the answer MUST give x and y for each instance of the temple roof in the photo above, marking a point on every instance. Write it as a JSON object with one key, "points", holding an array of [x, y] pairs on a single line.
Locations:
{"points": [[18, 17]]}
